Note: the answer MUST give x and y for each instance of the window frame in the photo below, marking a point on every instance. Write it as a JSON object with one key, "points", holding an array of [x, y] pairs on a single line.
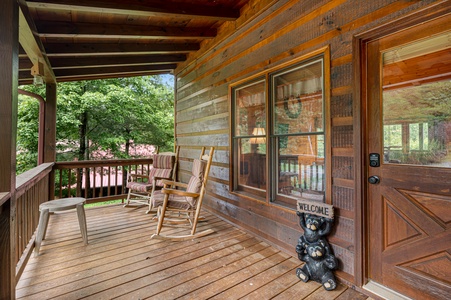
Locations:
{"points": [[270, 194]]}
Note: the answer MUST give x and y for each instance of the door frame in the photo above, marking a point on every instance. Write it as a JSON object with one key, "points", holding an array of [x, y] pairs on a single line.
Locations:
{"points": [[360, 108]]}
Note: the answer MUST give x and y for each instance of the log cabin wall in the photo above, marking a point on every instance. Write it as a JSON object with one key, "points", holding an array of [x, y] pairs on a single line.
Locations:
{"points": [[279, 33]]}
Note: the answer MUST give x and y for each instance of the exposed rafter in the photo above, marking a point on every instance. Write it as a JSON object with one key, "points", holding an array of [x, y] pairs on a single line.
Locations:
{"points": [[110, 61], [32, 45], [141, 8], [103, 31], [65, 49], [91, 39]]}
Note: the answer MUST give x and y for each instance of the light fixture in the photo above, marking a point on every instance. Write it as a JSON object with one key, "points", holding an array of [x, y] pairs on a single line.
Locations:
{"points": [[38, 73], [260, 132]]}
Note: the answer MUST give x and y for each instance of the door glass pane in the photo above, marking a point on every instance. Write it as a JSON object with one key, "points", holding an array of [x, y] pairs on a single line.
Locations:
{"points": [[417, 103]]}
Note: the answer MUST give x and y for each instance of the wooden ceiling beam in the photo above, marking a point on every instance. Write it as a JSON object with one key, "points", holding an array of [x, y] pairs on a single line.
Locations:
{"points": [[113, 70], [100, 31], [31, 43], [25, 81], [63, 49], [110, 61], [106, 76], [141, 8]]}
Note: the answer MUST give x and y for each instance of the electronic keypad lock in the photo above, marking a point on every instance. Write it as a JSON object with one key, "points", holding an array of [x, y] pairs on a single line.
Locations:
{"points": [[375, 160]]}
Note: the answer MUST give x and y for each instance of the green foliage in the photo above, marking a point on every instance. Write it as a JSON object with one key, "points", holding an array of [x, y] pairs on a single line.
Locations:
{"points": [[27, 130], [119, 112]]}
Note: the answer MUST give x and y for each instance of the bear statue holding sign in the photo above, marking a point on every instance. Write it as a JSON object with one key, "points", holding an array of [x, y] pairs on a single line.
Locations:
{"points": [[313, 248]]}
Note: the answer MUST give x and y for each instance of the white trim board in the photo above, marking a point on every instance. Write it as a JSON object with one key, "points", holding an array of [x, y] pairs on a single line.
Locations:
{"points": [[383, 291]]}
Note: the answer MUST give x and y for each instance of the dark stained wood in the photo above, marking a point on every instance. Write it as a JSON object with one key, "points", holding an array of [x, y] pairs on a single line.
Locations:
{"points": [[409, 210], [278, 37], [9, 51], [104, 187], [108, 49], [109, 61], [7, 266], [99, 31], [113, 70], [50, 123], [267, 34], [121, 261], [148, 8], [105, 28], [32, 189]]}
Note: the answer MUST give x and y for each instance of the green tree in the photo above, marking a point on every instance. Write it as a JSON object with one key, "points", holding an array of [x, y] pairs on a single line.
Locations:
{"points": [[27, 133], [100, 114]]}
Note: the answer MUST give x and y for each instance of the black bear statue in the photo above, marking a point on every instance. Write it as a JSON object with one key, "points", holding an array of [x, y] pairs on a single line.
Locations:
{"points": [[315, 251]]}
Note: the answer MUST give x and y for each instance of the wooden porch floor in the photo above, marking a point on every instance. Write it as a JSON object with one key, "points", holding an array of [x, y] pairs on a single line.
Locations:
{"points": [[122, 262]]}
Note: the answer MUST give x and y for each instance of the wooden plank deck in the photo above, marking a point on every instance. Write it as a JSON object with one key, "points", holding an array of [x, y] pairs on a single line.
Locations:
{"points": [[122, 262]]}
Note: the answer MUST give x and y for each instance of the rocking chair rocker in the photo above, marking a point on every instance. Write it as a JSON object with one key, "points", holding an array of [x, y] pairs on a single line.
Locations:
{"points": [[179, 204]]}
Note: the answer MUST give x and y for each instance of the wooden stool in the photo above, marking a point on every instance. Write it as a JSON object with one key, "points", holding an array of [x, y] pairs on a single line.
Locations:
{"points": [[60, 205]]}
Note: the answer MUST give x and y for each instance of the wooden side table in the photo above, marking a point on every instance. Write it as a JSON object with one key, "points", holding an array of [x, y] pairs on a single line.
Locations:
{"points": [[60, 205]]}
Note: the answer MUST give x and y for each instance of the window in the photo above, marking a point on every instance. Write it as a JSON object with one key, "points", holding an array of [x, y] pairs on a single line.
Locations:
{"points": [[278, 134], [417, 103], [250, 136]]}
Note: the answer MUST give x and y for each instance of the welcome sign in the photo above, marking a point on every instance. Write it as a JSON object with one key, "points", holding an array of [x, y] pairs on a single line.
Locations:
{"points": [[316, 208]]}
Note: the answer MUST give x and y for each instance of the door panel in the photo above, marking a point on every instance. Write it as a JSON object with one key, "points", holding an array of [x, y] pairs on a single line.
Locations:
{"points": [[409, 125]]}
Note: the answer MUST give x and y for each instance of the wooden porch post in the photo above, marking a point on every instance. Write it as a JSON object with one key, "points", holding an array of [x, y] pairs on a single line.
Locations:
{"points": [[50, 132], [50, 123], [9, 51]]}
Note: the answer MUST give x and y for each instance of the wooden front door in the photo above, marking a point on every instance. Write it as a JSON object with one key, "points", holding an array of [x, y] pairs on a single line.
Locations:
{"points": [[408, 160]]}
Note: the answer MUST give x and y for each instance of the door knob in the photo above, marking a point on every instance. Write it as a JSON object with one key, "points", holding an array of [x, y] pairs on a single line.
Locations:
{"points": [[374, 179]]}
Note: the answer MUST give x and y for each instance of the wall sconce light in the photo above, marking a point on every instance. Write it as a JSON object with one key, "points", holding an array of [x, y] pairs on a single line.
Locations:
{"points": [[38, 73], [258, 131]]}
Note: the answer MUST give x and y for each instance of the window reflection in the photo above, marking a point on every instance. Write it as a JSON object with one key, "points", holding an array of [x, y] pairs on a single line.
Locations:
{"points": [[298, 99], [417, 104], [250, 131]]}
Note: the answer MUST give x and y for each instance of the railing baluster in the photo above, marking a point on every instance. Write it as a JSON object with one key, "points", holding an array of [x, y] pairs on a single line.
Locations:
{"points": [[115, 181], [94, 181], [109, 181], [101, 182], [61, 184], [84, 170]]}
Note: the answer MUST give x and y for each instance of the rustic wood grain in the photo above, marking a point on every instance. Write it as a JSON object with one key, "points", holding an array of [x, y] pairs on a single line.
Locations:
{"points": [[121, 261]]}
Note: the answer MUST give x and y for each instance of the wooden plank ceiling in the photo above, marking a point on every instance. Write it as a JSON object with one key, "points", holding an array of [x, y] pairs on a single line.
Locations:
{"points": [[91, 39]]}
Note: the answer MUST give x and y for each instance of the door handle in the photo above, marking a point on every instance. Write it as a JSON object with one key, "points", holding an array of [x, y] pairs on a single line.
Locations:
{"points": [[374, 179]]}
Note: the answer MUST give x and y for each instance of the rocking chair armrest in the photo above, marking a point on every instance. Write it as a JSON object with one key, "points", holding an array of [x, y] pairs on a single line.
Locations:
{"points": [[174, 183], [180, 193]]}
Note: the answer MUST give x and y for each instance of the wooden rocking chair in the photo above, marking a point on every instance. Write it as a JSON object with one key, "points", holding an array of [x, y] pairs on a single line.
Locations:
{"points": [[180, 205], [164, 166]]}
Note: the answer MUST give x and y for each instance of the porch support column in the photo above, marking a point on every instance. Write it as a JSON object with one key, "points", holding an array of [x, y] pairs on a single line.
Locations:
{"points": [[49, 154], [9, 51], [50, 123]]}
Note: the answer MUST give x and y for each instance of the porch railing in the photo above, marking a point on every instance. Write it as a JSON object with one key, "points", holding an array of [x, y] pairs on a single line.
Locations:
{"points": [[32, 189], [97, 181]]}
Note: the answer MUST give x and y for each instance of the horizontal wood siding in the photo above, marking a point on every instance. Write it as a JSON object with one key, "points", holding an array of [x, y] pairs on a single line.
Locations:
{"points": [[284, 31]]}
